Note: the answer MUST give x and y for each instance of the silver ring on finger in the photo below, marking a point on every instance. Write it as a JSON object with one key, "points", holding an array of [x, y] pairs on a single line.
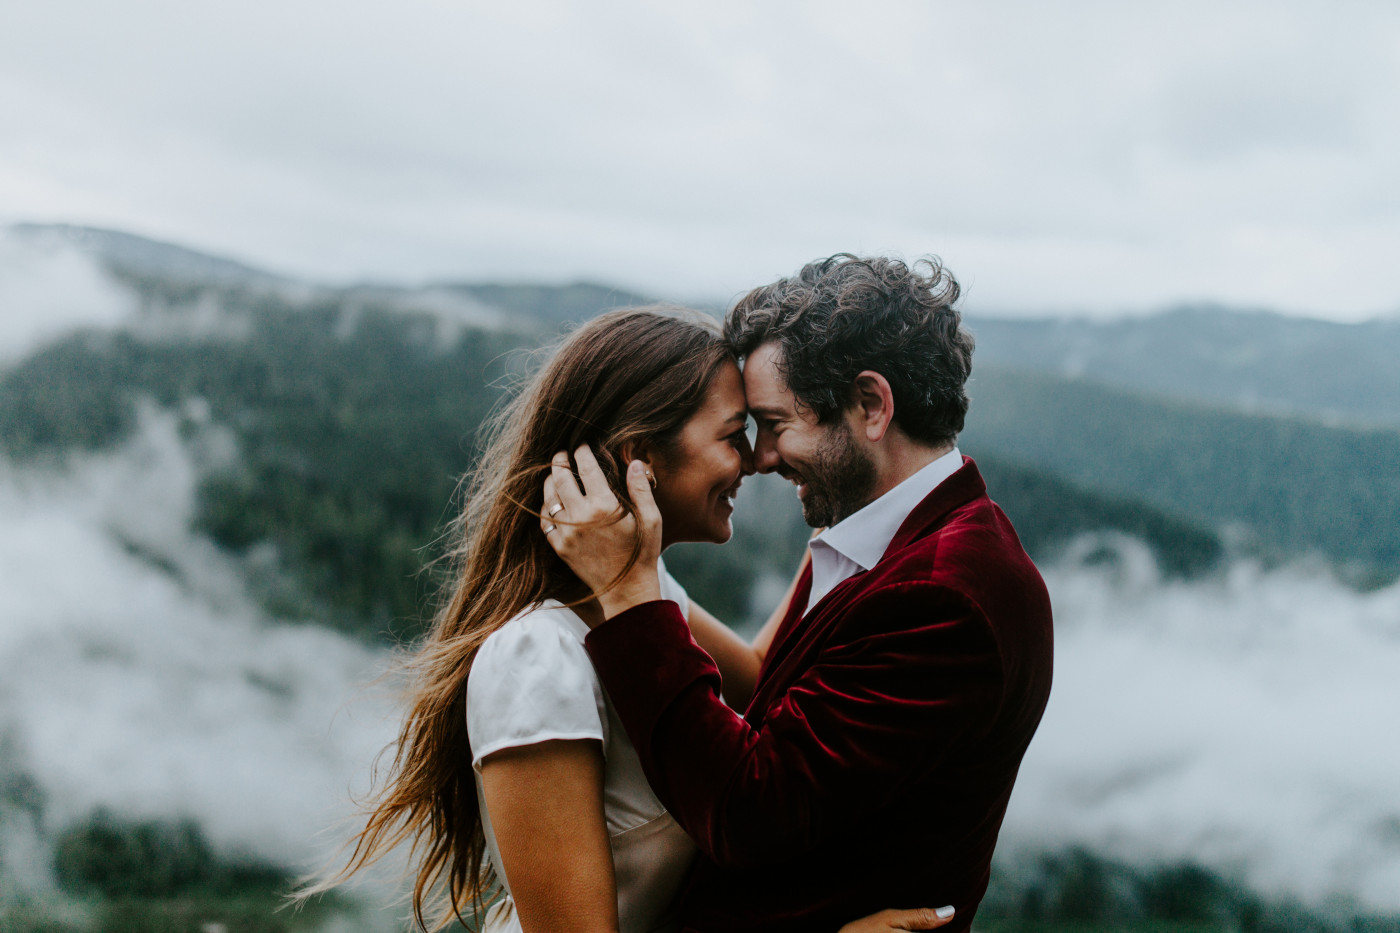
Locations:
{"points": [[550, 527], [555, 509]]}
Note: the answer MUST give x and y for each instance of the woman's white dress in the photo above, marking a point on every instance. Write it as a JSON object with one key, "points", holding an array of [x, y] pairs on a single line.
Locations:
{"points": [[531, 682]]}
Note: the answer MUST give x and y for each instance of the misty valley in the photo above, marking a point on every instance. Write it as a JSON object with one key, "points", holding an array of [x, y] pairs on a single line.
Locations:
{"points": [[223, 494]]}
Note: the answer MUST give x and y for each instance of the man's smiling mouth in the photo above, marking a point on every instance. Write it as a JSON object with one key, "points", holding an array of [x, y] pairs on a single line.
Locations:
{"points": [[797, 479]]}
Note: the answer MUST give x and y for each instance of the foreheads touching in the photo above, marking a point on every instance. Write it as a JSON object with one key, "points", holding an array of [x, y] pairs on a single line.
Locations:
{"points": [[842, 316]]}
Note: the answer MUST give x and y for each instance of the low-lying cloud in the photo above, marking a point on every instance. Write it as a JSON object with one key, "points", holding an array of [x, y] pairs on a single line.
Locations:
{"points": [[1243, 722], [48, 289], [137, 675], [1246, 723]]}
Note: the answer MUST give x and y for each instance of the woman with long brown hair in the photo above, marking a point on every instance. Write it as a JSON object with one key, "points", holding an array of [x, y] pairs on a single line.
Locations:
{"points": [[512, 780]]}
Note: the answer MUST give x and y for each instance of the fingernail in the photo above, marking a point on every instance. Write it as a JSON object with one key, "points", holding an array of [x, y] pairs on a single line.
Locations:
{"points": [[635, 468], [943, 913]]}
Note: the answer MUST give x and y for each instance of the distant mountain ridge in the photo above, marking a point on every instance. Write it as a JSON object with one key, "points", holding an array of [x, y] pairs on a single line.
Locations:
{"points": [[1249, 360], [166, 273], [556, 304], [140, 254]]}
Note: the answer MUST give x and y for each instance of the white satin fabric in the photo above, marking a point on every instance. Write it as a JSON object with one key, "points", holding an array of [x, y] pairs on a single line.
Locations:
{"points": [[532, 682]]}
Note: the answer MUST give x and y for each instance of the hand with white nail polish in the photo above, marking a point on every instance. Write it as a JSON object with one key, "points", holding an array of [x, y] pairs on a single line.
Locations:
{"points": [[920, 918]]}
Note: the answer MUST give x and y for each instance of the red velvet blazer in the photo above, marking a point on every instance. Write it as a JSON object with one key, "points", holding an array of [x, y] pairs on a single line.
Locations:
{"points": [[874, 765]]}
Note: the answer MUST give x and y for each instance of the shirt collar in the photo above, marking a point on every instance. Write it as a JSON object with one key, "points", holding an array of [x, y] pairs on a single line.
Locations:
{"points": [[865, 535]]}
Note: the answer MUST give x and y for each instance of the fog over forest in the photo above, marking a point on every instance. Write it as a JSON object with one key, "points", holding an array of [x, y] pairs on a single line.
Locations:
{"points": [[1241, 720], [1236, 721], [139, 676]]}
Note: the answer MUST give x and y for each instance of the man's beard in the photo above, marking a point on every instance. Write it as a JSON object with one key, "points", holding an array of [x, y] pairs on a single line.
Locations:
{"points": [[839, 479]]}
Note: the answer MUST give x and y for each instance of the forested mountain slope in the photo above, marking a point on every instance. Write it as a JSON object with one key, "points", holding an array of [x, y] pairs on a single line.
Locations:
{"points": [[352, 414], [1299, 485], [348, 426], [1250, 360]]}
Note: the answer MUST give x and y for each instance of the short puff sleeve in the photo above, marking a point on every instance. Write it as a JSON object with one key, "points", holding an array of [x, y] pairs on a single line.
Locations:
{"points": [[671, 589], [531, 682]]}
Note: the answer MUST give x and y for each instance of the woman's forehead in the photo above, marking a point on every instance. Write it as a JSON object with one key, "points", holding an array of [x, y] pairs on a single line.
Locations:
{"points": [[726, 395]]}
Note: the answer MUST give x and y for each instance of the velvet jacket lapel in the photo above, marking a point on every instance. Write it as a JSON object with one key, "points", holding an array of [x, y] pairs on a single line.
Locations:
{"points": [[800, 635]]}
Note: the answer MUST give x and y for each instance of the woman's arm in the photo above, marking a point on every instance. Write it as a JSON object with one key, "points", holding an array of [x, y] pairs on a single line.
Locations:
{"points": [[546, 805], [737, 660], [764, 639]]}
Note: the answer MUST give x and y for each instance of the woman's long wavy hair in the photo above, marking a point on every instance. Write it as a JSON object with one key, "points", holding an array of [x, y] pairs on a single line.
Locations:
{"points": [[625, 378]]}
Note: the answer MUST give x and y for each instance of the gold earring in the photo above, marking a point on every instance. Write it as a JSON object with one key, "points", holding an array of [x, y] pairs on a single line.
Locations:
{"points": [[651, 478]]}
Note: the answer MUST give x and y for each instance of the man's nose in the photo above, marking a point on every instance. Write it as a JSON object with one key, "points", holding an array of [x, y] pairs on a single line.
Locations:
{"points": [[765, 452]]}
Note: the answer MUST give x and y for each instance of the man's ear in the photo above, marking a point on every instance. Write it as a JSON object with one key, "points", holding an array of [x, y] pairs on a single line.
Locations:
{"points": [[872, 404]]}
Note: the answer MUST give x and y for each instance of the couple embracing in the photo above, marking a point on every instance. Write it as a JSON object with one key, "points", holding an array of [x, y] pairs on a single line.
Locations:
{"points": [[588, 750]]}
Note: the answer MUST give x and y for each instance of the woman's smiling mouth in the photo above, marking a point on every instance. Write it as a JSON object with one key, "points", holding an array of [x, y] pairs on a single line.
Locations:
{"points": [[727, 497]]}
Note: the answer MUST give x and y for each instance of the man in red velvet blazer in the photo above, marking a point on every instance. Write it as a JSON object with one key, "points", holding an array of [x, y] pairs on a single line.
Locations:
{"points": [[874, 764]]}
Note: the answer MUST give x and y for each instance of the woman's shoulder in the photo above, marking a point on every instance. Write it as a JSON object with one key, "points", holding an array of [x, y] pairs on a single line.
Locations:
{"points": [[550, 617], [543, 639], [532, 681], [545, 635], [550, 620]]}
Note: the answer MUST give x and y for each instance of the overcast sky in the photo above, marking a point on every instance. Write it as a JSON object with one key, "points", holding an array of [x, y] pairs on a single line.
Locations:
{"points": [[1069, 156]]}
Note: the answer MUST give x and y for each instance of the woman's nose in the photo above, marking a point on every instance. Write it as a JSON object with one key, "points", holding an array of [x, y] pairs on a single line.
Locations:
{"points": [[746, 467]]}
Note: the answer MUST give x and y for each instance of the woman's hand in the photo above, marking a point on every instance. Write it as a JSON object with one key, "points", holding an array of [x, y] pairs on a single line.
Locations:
{"points": [[922, 918], [595, 536]]}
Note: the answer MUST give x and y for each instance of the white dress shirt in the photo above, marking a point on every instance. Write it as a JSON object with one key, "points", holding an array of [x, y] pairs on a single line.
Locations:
{"points": [[858, 541]]}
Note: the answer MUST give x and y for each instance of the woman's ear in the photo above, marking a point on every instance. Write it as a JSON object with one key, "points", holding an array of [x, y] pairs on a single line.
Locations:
{"points": [[635, 450], [638, 450]]}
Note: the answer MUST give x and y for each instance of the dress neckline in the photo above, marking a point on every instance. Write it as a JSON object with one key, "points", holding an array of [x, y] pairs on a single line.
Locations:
{"points": [[570, 617]]}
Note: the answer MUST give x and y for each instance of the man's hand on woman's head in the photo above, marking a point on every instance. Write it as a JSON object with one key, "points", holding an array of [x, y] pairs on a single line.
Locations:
{"points": [[595, 536]]}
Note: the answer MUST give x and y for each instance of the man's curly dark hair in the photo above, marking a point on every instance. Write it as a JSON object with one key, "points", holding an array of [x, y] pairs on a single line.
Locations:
{"points": [[845, 314]]}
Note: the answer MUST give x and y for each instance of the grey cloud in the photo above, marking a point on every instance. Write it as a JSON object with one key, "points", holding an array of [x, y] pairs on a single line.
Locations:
{"points": [[676, 149]]}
